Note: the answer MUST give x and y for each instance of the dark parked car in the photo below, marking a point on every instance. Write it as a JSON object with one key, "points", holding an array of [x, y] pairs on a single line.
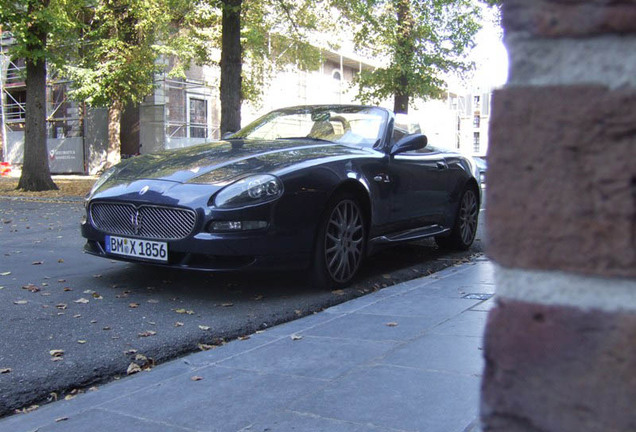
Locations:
{"points": [[315, 187]]}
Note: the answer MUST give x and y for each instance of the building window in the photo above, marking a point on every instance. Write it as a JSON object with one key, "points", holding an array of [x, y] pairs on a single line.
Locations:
{"points": [[336, 75], [198, 118], [476, 144], [476, 120]]}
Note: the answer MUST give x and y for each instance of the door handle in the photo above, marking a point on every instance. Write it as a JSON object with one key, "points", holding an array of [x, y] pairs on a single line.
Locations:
{"points": [[442, 165], [382, 178]]}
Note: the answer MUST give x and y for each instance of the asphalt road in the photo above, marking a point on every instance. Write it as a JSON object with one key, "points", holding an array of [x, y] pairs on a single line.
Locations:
{"points": [[71, 320]]}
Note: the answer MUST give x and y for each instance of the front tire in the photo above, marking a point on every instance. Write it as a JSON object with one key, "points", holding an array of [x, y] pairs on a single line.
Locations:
{"points": [[465, 227], [340, 243]]}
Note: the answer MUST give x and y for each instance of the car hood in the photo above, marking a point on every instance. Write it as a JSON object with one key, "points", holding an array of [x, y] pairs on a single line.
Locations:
{"points": [[224, 161]]}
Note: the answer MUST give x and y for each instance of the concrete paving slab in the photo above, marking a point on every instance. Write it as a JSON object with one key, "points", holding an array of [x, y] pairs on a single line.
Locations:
{"points": [[419, 303], [223, 400], [97, 420], [441, 353], [399, 398], [469, 323], [292, 421], [372, 327], [321, 358]]}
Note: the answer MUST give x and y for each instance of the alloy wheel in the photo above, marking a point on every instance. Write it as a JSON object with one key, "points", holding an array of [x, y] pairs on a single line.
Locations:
{"points": [[344, 241], [468, 217]]}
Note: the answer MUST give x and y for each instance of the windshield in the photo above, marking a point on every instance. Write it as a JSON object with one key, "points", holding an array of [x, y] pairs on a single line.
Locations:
{"points": [[352, 125]]}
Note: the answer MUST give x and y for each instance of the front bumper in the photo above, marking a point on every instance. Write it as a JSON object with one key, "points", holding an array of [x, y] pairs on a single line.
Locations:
{"points": [[219, 252]]}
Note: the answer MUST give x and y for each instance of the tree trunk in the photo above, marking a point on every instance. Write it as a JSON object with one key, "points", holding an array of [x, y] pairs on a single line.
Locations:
{"points": [[113, 156], [231, 67], [403, 55], [36, 174]]}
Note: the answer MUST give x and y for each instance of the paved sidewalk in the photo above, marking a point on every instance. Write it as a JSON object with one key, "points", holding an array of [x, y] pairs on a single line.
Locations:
{"points": [[406, 358]]}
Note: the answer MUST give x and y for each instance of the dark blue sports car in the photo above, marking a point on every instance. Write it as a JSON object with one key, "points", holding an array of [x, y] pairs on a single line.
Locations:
{"points": [[315, 187]]}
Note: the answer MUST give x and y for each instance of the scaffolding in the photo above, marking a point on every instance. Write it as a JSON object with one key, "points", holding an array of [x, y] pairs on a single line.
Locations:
{"points": [[64, 117]]}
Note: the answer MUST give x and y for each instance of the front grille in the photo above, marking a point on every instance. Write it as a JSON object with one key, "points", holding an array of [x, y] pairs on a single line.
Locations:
{"points": [[151, 222]]}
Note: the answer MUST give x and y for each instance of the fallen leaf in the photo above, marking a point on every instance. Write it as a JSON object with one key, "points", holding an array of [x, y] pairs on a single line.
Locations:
{"points": [[386, 276], [141, 358], [81, 300], [20, 302], [27, 410], [227, 304], [44, 284], [298, 312], [296, 337], [37, 262], [391, 324], [31, 287], [178, 324], [106, 328], [202, 327], [97, 296], [77, 316], [56, 359], [66, 289], [94, 388], [130, 352], [258, 297], [338, 292], [69, 397], [5, 370], [88, 291], [61, 419], [61, 306], [133, 305], [183, 311], [61, 280], [147, 333], [153, 301], [81, 341], [56, 352], [242, 338], [133, 368], [205, 347], [5, 273], [97, 276], [196, 378], [61, 260]]}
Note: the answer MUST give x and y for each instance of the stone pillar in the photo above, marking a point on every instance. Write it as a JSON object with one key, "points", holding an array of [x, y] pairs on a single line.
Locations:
{"points": [[560, 345]]}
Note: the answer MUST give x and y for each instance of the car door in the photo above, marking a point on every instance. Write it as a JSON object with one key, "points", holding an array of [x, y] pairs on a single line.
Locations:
{"points": [[420, 188]]}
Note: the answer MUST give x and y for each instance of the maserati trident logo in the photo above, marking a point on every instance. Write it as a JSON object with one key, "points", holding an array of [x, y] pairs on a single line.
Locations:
{"points": [[144, 190], [135, 221]]}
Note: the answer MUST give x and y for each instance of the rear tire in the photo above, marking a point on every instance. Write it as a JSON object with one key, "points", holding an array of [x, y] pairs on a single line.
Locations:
{"points": [[465, 227], [340, 244]]}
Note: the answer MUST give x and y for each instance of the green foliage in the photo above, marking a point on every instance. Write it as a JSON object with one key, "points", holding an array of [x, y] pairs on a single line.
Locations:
{"points": [[421, 40], [122, 47], [42, 29]]}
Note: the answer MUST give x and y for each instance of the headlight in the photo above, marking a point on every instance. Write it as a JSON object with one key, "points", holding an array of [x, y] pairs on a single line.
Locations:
{"points": [[249, 191], [101, 180]]}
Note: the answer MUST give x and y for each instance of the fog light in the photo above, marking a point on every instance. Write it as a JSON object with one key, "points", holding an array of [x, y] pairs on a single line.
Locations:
{"points": [[219, 226]]}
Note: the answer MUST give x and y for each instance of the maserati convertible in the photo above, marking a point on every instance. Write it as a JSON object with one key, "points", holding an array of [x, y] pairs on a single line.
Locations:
{"points": [[308, 187]]}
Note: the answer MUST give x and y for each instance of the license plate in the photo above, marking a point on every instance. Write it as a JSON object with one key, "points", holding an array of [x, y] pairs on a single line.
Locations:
{"points": [[143, 249]]}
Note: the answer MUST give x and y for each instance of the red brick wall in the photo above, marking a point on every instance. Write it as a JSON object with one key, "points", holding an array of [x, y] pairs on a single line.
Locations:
{"points": [[560, 345]]}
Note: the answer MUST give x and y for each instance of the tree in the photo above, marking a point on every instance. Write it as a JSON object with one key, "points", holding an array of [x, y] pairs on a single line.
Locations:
{"points": [[422, 40], [265, 36], [121, 53], [43, 32]]}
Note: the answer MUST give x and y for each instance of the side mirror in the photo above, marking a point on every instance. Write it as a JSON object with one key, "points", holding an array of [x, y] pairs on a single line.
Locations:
{"points": [[409, 143], [227, 135]]}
